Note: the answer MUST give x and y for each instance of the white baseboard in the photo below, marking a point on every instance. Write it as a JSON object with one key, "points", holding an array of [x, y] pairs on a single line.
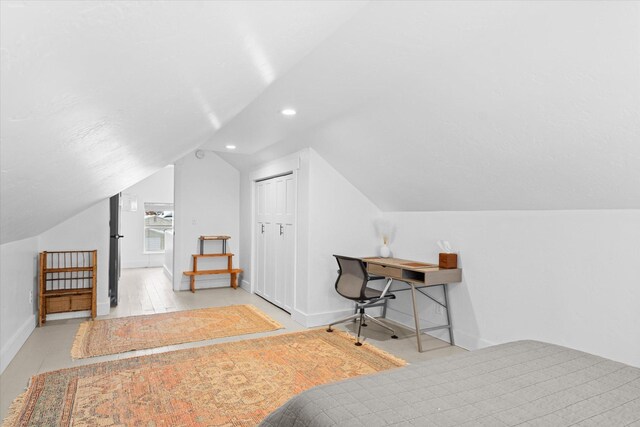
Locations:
{"points": [[245, 285], [141, 264], [167, 273], [319, 319], [299, 317], [470, 342], [222, 282], [69, 315], [17, 340], [462, 339], [103, 308], [406, 320]]}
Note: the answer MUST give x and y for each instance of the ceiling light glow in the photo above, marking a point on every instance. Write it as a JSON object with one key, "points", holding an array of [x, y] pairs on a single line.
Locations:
{"points": [[288, 112], [230, 147]]}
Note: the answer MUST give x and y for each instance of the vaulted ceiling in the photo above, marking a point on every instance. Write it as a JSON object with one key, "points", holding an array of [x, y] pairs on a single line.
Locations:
{"points": [[466, 106], [422, 105], [98, 95]]}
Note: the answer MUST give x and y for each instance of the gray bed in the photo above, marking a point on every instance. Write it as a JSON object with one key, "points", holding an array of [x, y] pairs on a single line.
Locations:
{"points": [[520, 383]]}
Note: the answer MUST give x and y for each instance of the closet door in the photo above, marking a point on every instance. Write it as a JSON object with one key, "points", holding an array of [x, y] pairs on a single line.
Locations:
{"points": [[285, 214], [260, 257], [275, 239], [270, 262], [269, 236], [261, 237]]}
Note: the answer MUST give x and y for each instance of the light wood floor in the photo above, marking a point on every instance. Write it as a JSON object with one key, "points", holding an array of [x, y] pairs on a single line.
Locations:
{"points": [[148, 291]]}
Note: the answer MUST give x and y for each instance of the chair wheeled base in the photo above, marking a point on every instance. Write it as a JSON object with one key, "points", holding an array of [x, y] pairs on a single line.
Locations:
{"points": [[361, 315]]}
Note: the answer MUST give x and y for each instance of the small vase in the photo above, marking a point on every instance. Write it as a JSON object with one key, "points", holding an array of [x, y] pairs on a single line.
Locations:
{"points": [[385, 252]]}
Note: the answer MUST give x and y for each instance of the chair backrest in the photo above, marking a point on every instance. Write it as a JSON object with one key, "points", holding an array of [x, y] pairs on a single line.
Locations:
{"points": [[352, 278]]}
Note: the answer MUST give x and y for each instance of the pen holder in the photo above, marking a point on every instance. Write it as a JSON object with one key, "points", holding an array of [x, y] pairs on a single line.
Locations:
{"points": [[448, 260]]}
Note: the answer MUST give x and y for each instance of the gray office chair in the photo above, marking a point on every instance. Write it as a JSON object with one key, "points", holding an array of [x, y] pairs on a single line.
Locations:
{"points": [[352, 284]]}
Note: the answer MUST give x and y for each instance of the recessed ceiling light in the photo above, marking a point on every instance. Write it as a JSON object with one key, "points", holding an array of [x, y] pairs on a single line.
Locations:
{"points": [[230, 147], [288, 112]]}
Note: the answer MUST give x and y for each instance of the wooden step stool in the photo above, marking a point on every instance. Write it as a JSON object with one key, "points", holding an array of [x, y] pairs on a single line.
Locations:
{"points": [[229, 270]]}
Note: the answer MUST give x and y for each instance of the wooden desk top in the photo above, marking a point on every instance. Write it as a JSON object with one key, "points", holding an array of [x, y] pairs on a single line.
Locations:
{"points": [[412, 271], [402, 263]]}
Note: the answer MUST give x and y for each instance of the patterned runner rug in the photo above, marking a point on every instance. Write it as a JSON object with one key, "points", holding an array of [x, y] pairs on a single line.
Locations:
{"points": [[112, 336], [229, 384]]}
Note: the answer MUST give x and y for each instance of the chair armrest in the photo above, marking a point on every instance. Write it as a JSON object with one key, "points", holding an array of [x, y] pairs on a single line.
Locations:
{"points": [[386, 288]]}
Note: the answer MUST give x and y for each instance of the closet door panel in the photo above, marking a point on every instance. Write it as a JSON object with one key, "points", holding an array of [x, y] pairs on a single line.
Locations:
{"points": [[289, 199], [270, 261], [260, 258], [280, 197], [288, 258], [260, 195], [260, 200], [279, 284]]}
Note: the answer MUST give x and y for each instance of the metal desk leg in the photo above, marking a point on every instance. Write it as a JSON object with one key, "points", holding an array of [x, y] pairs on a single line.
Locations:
{"points": [[415, 316], [446, 303]]}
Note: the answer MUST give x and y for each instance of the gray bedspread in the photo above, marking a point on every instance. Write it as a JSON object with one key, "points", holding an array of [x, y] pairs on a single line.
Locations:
{"points": [[520, 383]]}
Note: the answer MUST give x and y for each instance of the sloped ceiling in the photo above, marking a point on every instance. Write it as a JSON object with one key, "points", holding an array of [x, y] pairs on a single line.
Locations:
{"points": [[465, 106], [98, 95], [421, 105]]}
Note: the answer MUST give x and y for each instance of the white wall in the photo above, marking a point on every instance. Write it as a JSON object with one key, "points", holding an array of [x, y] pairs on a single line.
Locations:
{"points": [[168, 255], [19, 271], [208, 195], [18, 278], [86, 231], [341, 221], [333, 217], [207, 202], [565, 277], [158, 188], [298, 163]]}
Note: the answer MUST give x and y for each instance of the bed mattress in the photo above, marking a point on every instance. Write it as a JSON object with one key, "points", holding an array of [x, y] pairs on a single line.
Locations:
{"points": [[520, 383]]}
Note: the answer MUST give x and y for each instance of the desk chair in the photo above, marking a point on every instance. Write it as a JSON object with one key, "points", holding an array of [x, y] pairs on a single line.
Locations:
{"points": [[352, 284]]}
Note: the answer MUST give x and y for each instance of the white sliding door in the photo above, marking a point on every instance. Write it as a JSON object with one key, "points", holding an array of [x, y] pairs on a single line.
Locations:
{"points": [[275, 229]]}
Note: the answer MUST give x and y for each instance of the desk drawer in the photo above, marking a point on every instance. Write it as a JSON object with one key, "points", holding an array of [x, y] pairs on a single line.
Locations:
{"points": [[381, 270]]}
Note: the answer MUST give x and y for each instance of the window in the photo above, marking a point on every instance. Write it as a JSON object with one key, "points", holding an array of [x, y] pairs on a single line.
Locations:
{"points": [[158, 218]]}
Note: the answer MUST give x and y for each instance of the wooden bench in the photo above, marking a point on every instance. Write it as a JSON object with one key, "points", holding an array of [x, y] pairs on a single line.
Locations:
{"points": [[233, 272]]}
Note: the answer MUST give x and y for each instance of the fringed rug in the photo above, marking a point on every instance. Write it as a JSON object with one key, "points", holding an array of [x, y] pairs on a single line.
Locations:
{"points": [[229, 384], [112, 336]]}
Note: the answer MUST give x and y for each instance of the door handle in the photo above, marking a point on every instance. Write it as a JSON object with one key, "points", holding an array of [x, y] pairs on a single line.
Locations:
{"points": [[262, 228], [117, 236], [281, 229]]}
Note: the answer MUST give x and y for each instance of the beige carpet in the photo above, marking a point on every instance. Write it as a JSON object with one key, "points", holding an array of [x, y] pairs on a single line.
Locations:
{"points": [[112, 336]]}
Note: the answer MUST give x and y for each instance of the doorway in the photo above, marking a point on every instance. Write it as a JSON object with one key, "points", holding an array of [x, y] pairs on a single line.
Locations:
{"points": [[114, 248], [144, 214], [275, 203]]}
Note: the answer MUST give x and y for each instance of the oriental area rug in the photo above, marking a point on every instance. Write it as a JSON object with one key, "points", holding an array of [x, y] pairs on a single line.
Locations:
{"points": [[229, 384], [112, 336]]}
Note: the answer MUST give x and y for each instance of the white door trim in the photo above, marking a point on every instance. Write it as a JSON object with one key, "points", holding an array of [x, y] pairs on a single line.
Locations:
{"points": [[286, 165]]}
